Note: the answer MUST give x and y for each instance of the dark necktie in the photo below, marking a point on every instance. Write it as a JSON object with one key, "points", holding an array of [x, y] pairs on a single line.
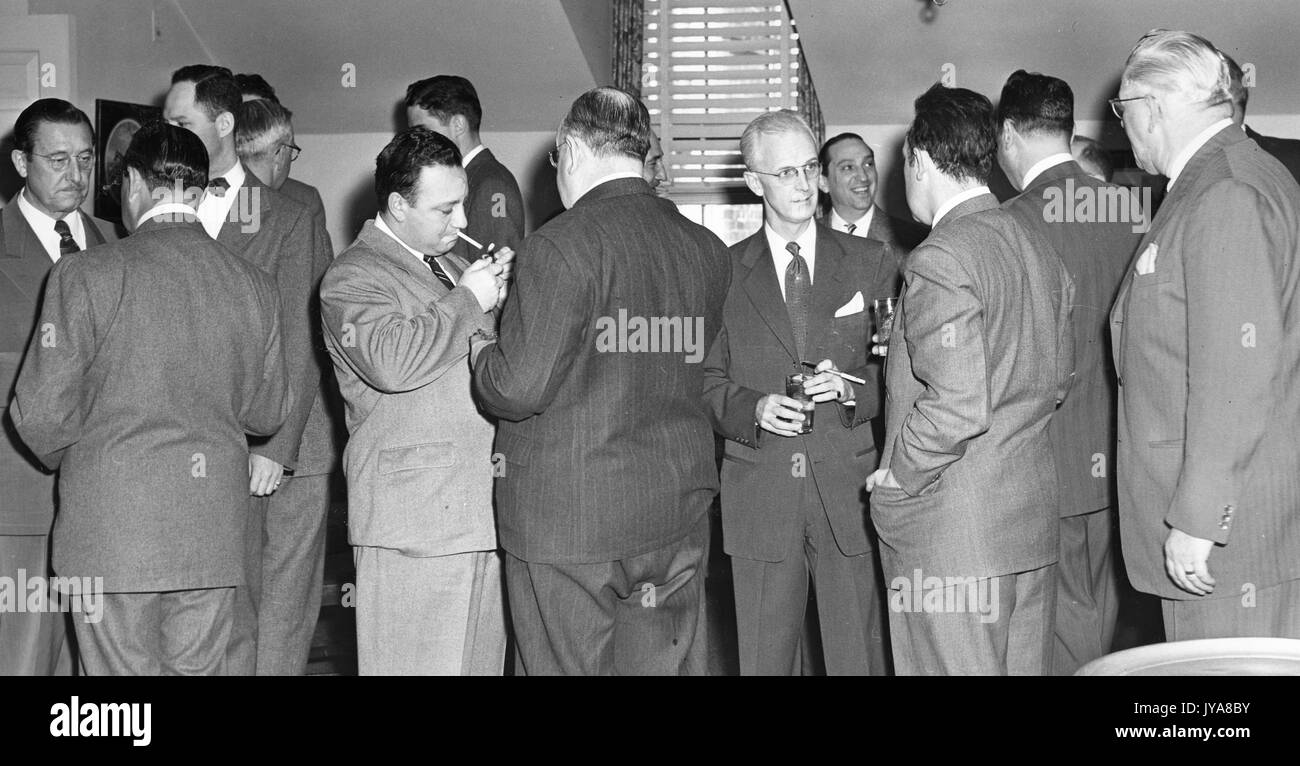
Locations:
{"points": [[67, 245], [432, 260], [218, 186], [851, 228], [798, 294]]}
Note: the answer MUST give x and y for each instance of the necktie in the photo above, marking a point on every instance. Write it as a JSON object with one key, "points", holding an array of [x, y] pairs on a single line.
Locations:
{"points": [[67, 244], [851, 228], [432, 260], [218, 186], [798, 294]]}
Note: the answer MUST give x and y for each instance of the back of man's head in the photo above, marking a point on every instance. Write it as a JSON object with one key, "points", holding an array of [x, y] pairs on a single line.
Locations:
{"points": [[215, 88], [955, 126], [254, 86], [259, 126], [399, 165], [1037, 104], [770, 124], [44, 110], [1237, 89], [1092, 158], [1182, 64], [166, 156], [610, 122], [445, 96]]}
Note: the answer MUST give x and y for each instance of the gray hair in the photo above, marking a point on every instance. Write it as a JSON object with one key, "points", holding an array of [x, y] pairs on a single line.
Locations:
{"points": [[259, 125], [1180, 62], [771, 123]]}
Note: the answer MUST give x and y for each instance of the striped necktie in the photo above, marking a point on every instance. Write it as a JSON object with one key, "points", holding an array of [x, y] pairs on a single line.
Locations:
{"points": [[67, 245], [432, 260], [798, 294]]}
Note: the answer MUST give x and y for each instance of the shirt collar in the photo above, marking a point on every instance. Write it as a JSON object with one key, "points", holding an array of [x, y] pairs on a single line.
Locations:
{"points": [[383, 226], [608, 178], [43, 224], [471, 154], [1185, 155], [1050, 161], [167, 208], [839, 224], [235, 177], [956, 200], [807, 241]]}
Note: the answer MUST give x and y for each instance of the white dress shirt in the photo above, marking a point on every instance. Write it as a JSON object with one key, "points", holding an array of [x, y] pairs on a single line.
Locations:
{"points": [[1050, 161], [1181, 159], [383, 226], [167, 208], [863, 224], [471, 154], [43, 225], [781, 257], [956, 200], [213, 210]]}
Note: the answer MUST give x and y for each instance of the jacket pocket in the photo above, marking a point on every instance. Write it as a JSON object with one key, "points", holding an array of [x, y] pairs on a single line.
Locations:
{"points": [[416, 457]]}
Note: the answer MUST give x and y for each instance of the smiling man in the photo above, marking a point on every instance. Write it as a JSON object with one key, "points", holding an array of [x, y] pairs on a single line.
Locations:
{"points": [[849, 178]]}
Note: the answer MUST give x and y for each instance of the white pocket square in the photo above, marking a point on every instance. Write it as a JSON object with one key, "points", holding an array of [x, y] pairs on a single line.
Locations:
{"points": [[1146, 262], [854, 305]]}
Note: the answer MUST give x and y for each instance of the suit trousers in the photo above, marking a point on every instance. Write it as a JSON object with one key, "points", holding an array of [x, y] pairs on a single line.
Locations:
{"points": [[772, 599], [642, 615], [284, 571], [173, 633], [1273, 612], [434, 615], [1087, 591], [31, 643], [999, 626]]}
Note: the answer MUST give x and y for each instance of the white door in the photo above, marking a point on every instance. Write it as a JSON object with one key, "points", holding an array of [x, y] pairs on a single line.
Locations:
{"points": [[35, 62]]}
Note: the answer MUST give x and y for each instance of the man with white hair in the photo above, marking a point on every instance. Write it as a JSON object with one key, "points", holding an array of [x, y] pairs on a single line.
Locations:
{"points": [[1204, 331]]}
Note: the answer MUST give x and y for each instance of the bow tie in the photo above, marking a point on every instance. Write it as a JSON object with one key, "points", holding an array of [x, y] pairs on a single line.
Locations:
{"points": [[218, 187]]}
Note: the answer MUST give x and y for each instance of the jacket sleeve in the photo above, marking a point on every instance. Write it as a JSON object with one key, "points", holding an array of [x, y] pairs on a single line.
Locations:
{"points": [[272, 400], [730, 405]]}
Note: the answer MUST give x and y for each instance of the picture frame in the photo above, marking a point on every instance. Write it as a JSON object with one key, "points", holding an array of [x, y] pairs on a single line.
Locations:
{"points": [[115, 123]]}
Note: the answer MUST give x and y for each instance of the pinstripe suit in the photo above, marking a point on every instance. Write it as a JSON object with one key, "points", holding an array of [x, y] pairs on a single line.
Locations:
{"points": [[608, 455], [1207, 348]]}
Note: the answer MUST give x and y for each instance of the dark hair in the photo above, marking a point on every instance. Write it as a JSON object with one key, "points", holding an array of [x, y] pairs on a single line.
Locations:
{"points": [[398, 166], [1091, 153], [215, 88], [955, 126], [824, 156], [445, 96], [1237, 90], [256, 85], [46, 110], [610, 121], [1037, 103], [166, 155]]}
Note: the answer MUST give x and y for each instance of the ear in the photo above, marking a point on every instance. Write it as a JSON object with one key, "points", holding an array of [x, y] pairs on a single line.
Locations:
{"points": [[459, 124], [1007, 135], [20, 162], [922, 165], [751, 180], [1155, 113], [225, 124], [822, 183], [573, 158], [397, 206]]}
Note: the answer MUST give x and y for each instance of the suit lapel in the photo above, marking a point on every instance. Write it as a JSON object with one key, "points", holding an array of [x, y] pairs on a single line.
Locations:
{"points": [[764, 291], [395, 252], [880, 230], [232, 234], [828, 282], [24, 261], [93, 236]]}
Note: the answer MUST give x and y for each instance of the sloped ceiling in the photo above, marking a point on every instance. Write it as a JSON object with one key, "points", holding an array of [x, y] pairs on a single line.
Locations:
{"points": [[870, 58]]}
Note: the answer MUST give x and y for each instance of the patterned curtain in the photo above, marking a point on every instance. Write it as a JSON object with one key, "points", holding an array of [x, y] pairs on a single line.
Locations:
{"points": [[629, 33], [809, 107]]}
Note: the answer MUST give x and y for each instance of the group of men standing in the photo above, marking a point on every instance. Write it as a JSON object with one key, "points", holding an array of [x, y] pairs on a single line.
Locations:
{"points": [[519, 462]]}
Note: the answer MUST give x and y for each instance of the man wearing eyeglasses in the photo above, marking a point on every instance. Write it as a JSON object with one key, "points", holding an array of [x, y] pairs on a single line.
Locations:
{"points": [[792, 502], [55, 154], [1204, 335], [281, 237]]}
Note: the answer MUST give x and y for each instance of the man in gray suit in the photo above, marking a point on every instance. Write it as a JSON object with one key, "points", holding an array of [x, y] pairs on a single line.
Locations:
{"points": [[276, 611], [155, 355], [1094, 227], [965, 499], [1205, 342], [398, 309], [54, 153]]}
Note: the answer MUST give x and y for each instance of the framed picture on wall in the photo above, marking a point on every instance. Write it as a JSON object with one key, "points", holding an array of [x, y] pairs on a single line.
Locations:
{"points": [[115, 123]]}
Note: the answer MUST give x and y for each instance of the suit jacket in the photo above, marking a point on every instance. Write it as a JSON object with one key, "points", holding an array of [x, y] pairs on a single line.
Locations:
{"points": [[154, 355], [286, 243], [901, 235], [494, 209], [981, 352], [751, 357], [28, 488], [1207, 354], [419, 455], [1096, 249], [1286, 150], [607, 449]]}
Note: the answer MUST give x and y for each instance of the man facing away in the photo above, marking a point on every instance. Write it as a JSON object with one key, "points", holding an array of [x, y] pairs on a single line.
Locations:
{"points": [[965, 500], [54, 153], [607, 463], [793, 510], [398, 308], [1035, 119], [282, 238], [1206, 336], [156, 355]]}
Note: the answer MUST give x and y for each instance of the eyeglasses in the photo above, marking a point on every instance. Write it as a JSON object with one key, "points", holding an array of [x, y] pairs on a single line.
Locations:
{"points": [[293, 148], [789, 175], [1116, 105], [59, 162], [554, 156]]}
